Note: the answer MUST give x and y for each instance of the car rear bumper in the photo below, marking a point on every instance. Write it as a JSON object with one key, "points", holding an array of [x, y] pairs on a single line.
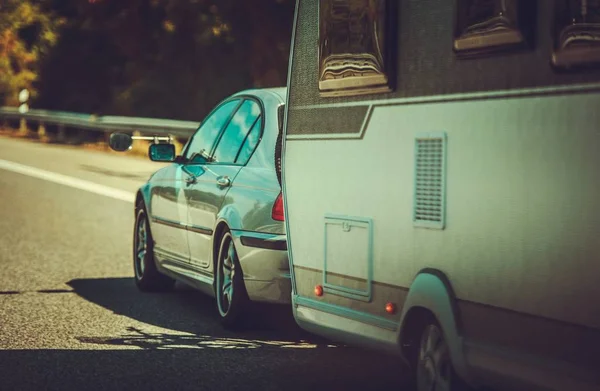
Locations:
{"points": [[264, 261]]}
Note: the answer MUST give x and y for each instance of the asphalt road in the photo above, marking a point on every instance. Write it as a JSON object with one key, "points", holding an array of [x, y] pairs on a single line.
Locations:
{"points": [[71, 317]]}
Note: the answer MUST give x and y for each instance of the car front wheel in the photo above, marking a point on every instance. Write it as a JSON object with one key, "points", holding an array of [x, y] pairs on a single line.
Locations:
{"points": [[147, 277], [230, 290]]}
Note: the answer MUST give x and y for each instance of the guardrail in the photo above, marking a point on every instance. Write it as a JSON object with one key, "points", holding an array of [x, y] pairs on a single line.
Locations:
{"points": [[105, 124]]}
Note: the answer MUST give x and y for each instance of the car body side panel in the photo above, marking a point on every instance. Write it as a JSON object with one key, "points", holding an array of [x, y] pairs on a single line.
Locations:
{"points": [[186, 215], [253, 194], [205, 199], [168, 213], [264, 262], [256, 186]]}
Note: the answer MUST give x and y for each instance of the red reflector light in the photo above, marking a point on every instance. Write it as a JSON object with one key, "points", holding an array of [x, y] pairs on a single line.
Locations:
{"points": [[390, 308], [277, 212], [319, 290]]}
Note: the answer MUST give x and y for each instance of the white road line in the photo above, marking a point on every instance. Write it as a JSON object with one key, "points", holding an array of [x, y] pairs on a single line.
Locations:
{"points": [[68, 181]]}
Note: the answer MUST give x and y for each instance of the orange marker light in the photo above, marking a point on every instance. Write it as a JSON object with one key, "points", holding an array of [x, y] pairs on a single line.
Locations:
{"points": [[390, 308], [319, 290]]}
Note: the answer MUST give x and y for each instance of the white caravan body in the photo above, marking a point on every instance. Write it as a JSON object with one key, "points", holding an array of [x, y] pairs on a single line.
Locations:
{"points": [[434, 180]]}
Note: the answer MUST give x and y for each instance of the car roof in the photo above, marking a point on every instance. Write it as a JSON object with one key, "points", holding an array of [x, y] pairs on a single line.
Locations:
{"points": [[279, 92]]}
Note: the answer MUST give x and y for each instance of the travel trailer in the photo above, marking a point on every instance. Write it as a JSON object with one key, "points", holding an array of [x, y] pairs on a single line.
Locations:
{"points": [[441, 180]]}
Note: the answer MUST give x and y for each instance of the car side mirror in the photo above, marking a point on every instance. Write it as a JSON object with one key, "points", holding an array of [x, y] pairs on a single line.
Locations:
{"points": [[120, 142], [161, 152]]}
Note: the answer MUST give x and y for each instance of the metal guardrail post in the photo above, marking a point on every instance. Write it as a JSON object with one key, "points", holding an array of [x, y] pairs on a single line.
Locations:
{"points": [[42, 132], [60, 136], [106, 140], [23, 128]]}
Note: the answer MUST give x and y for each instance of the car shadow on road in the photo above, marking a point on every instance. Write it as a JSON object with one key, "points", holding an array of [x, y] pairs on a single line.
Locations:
{"points": [[175, 341], [185, 369], [191, 316]]}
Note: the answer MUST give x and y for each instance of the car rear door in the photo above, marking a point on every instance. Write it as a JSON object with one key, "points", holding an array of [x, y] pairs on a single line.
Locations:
{"points": [[207, 195]]}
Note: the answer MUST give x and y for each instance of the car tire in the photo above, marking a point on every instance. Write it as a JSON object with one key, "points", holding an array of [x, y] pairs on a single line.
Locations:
{"points": [[146, 275], [434, 369], [230, 291]]}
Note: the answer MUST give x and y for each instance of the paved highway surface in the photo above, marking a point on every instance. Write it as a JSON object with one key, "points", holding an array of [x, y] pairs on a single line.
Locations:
{"points": [[72, 319]]}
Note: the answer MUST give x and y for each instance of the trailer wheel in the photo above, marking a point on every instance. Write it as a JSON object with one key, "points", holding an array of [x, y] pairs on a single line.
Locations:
{"points": [[434, 370]]}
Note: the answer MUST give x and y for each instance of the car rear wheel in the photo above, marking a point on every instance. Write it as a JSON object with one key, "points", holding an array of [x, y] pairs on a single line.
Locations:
{"points": [[147, 277], [230, 290]]}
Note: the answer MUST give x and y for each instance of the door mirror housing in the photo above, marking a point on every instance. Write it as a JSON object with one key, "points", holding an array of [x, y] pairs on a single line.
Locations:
{"points": [[161, 152], [120, 142]]}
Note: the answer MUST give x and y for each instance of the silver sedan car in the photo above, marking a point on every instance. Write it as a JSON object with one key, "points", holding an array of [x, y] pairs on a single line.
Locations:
{"points": [[214, 218]]}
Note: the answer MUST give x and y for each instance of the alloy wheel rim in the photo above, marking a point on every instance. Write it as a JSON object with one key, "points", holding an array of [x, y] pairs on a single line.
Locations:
{"points": [[434, 367], [141, 247], [227, 272]]}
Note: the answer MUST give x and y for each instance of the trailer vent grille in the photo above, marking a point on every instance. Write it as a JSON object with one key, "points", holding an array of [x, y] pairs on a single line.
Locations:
{"points": [[430, 181]]}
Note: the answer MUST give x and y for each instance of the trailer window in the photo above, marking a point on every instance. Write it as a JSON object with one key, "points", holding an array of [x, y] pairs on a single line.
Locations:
{"points": [[577, 33], [484, 26], [352, 47]]}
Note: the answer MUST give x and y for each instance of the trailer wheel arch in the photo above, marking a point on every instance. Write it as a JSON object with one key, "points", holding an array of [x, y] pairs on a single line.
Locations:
{"points": [[431, 295]]}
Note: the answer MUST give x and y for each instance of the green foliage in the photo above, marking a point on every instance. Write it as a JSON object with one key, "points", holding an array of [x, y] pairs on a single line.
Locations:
{"points": [[27, 32]]}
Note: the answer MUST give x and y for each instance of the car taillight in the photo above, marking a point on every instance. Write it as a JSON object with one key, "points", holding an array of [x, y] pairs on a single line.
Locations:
{"points": [[277, 212]]}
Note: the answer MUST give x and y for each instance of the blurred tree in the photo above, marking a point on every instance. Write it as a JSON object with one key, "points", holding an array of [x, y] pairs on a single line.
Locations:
{"points": [[164, 58], [81, 74], [265, 26], [27, 32], [85, 69]]}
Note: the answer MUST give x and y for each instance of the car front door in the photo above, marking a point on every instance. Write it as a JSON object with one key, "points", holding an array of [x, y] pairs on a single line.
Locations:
{"points": [[169, 214], [207, 194]]}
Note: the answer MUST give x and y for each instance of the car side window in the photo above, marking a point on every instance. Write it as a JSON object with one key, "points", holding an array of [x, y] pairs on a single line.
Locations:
{"points": [[236, 132], [250, 143], [204, 139]]}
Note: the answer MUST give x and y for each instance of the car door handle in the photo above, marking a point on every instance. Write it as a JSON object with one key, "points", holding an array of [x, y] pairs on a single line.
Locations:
{"points": [[223, 181], [191, 178]]}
